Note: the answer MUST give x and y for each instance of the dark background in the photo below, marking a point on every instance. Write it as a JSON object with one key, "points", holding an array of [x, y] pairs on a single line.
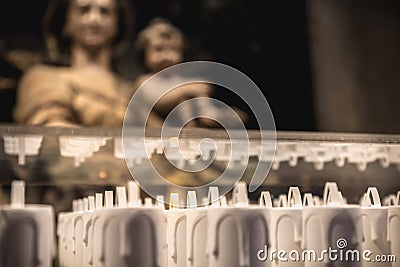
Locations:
{"points": [[325, 65], [266, 41]]}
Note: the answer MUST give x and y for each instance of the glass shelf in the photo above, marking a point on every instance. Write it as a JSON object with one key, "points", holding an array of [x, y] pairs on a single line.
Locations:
{"points": [[90, 159]]}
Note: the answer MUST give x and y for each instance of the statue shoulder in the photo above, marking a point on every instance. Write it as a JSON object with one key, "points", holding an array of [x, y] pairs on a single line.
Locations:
{"points": [[41, 73]]}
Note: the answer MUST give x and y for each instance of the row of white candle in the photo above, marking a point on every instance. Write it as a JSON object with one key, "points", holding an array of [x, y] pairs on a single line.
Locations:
{"points": [[226, 233]]}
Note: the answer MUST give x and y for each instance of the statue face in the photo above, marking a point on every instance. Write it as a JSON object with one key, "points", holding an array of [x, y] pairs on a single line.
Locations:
{"points": [[91, 23], [161, 53]]}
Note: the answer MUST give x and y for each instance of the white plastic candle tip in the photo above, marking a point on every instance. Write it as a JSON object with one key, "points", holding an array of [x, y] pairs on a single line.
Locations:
{"points": [[121, 196], [99, 201], [265, 200], [174, 201], [17, 194], [317, 201], [133, 194], [85, 204], [281, 201], [191, 200], [74, 205], [109, 199], [213, 196], [308, 200], [224, 203], [80, 204], [91, 203], [160, 201], [240, 197], [148, 202]]}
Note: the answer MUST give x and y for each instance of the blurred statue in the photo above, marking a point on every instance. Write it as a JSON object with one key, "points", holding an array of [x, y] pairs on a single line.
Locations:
{"points": [[161, 45], [79, 87]]}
